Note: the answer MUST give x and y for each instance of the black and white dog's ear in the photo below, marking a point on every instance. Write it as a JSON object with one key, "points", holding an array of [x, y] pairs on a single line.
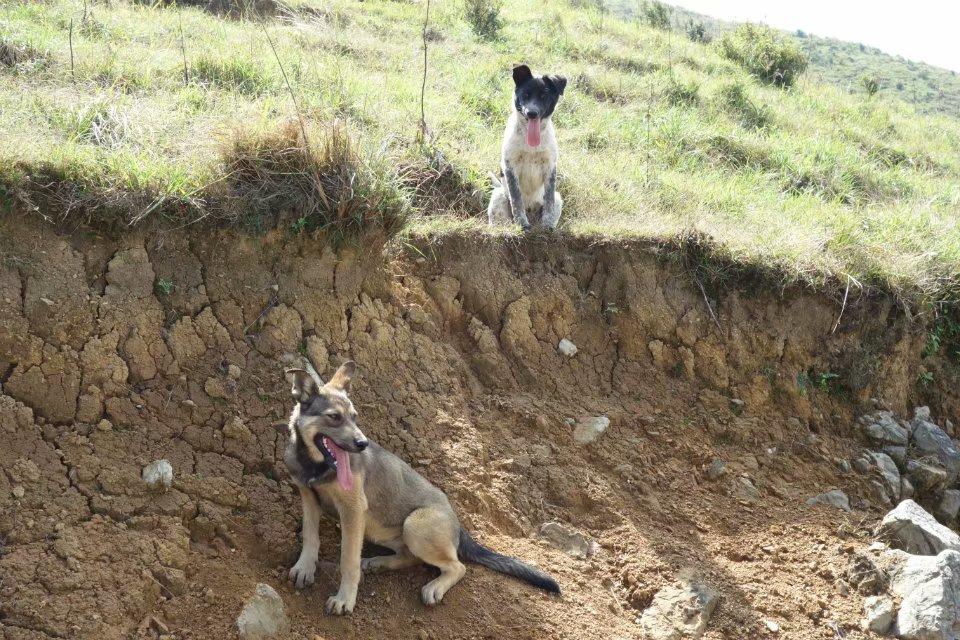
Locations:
{"points": [[557, 81], [302, 384], [521, 74]]}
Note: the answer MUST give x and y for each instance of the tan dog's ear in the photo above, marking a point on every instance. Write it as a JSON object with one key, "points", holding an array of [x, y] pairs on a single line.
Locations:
{"points": [[341, 379], [302, 384]]}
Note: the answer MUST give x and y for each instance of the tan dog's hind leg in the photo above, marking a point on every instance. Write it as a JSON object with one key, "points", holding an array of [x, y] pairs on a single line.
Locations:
{"points": [[402, 559], [430, 535]]}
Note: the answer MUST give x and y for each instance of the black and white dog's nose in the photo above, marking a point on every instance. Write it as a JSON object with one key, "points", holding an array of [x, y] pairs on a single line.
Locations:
{"points": [[533, 114], [361, 444]]}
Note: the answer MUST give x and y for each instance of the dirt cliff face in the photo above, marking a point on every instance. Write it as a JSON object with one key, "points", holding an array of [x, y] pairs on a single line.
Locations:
{"points": [[118, 352]]}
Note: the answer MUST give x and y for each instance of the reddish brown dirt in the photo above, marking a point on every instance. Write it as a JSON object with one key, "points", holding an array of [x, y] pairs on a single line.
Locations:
{"points": [[114, 353]]}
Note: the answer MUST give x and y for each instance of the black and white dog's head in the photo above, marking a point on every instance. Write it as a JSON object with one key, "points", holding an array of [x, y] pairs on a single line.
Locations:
{"points": [[535, 98]]}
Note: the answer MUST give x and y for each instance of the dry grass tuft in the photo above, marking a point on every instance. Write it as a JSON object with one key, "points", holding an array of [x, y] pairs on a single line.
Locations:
{"points": [[322, 184]]}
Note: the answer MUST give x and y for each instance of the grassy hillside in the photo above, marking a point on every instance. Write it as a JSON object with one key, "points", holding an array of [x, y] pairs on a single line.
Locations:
{"points": [[932, 90], [660, 137]]}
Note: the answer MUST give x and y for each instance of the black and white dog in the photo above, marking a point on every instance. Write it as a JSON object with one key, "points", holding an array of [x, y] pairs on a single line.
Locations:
{"points": [[529, 154]]}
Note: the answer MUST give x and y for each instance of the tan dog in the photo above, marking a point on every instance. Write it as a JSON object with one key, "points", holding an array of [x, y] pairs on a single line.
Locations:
{"points": [[377, 496]]}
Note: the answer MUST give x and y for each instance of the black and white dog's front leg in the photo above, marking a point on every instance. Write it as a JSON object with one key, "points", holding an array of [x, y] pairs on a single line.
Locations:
{"points": [[516, 199], [552, 202]]}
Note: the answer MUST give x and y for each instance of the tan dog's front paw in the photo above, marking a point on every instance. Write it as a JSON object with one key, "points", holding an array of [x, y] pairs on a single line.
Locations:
{"points": [[339, 604], [302, 573]]}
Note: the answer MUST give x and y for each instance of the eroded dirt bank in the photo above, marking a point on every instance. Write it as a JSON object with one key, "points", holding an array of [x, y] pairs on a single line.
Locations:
{"points": [[115, 353]]}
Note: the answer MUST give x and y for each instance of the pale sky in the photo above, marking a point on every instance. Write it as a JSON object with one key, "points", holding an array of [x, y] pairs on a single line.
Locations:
{"points": [[924, 30]]}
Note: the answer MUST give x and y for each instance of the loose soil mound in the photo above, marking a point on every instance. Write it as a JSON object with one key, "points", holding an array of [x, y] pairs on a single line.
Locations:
{"points": [[115, 353]]}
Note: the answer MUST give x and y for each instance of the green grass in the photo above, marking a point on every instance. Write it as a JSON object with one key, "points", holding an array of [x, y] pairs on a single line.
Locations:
{"points": [[660, 137]]}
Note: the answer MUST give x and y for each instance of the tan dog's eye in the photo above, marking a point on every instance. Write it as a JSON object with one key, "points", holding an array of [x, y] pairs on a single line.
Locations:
{"points": [[334, 416]]}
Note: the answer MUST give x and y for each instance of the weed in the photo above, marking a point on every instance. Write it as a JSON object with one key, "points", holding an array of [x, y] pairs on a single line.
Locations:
{"points": [[656, 14], [764, 53], [232, 74], [697, 32], [484, 17], [165, 286], [925, 378], [735, 99]]}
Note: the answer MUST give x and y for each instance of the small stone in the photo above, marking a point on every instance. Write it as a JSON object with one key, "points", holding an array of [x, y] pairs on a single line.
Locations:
{"points": [[835, 498], [843, 466], [882, 428], [158, 474], [234, 427], [930, 440], [263, 616], [862, 464], [890, 473], [18, 492], [104, 425], [877, 614], [715, 469], [572, 542], [47, 301], [906, 488], [679, 611], [588, 429], [772, 626], [744, 490], [567, 348], [234, 371]]}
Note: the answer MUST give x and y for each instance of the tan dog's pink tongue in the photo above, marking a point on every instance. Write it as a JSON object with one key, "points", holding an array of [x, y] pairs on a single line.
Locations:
{"points": [[344, 474], [533, 132]]}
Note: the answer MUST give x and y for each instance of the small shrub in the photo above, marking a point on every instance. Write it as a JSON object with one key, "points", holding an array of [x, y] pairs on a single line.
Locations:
{"points": [[325, 186], [656, 14], [682, 93], [697, 32], [763, 53], [735, 100], [484, 17], [870, 84]]}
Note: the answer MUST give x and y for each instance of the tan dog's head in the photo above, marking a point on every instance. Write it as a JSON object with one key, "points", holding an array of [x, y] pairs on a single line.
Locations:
{"points": [[325, 413]]}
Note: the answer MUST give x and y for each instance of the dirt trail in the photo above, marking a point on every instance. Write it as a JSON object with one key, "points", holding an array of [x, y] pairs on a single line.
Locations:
{"points": [[115, 353]]}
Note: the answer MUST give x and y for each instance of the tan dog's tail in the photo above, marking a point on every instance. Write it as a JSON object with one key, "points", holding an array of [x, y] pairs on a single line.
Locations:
{"points": [[495, 180], [473, 551]]}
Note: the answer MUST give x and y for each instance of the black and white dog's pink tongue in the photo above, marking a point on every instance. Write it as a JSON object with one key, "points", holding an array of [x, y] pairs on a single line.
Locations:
{"points": [[533, 132], [344, 474]]}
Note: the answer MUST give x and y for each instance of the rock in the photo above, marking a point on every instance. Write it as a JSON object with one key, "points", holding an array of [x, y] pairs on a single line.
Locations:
{"points": [[715, 469], [235, 428], [929, 440], [927, 477], [898, 454], [679, 612], [772, 626], [540, 453], [864, 574], [158, 475], [104, 425], [744, 490], [890, 473], [573, 542], [929, 588], [862, 464], [948, 507], [234, 372], [906, 488], [834, 498], [877, 614], [912, 529], [589, 429], [567, 348], [18, 492], [263, 616], [883, 429]]}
